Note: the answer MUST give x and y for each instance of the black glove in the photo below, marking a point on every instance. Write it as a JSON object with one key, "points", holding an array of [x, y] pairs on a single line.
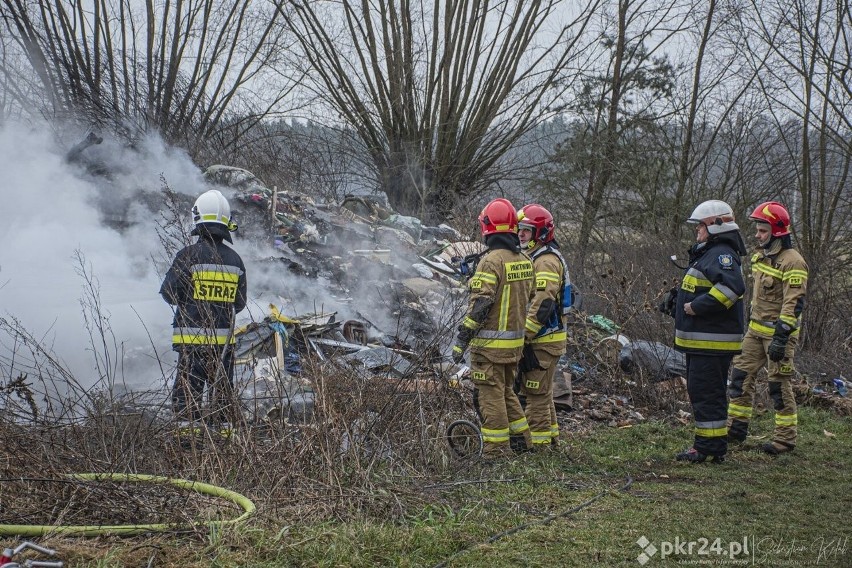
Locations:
{"points": [[462, 341], [667, 306], [458, 353], [776, 349], [529, 362]]}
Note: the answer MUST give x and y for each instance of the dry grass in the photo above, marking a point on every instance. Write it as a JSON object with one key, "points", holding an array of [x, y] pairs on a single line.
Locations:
{"points": [[367, 433]]}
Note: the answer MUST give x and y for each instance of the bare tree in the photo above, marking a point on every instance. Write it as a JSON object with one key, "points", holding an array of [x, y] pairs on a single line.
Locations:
{"points": [[624, 99], [437, 92], [718, 88], [308, 158], [197, 70], [807, 88], [808, 82]]}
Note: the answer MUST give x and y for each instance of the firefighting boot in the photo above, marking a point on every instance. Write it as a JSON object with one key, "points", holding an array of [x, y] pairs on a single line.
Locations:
{"points": [[737, 432], [189, 435], [495, 453], [776, 447], [519, 444], [692, 455]]}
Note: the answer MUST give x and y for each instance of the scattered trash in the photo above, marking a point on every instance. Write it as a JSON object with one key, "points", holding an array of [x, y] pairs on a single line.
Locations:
{"points": [[604, 323], [819, 397], [656, 361]]}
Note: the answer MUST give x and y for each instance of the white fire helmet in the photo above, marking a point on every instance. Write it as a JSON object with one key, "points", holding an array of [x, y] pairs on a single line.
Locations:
{"points": [[716, 215], [212, 207]]}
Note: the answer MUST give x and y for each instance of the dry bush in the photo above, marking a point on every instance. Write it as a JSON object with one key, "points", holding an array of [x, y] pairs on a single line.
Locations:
{"points": [[366, 435], [367, 432], [626, 283]]}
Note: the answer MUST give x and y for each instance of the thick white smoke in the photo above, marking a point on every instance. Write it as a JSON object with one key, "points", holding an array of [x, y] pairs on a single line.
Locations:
{"points": [[53, 217]]}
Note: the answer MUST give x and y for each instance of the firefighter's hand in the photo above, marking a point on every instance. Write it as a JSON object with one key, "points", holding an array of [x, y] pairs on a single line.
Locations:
{"points": [[529, 361], [776, 349], [458, 353], [667, 306]]}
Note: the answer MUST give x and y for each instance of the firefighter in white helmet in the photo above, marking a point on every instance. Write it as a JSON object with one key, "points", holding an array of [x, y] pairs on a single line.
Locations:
{"points": [[207, 285], [709, 320]]}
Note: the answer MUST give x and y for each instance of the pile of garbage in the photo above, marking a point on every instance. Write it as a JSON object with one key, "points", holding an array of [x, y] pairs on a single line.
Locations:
{"points": [[833, 394], [376, 291], [393, 294]]}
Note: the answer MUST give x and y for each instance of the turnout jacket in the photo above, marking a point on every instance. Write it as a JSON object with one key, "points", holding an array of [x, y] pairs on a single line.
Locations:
{"points": [[778, 293], [500, 289], [545, 323], [714, 284], [207, 283]]}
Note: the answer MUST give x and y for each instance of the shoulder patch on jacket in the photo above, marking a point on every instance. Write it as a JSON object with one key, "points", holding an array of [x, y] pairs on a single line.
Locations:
{"points": [[726, 261]]}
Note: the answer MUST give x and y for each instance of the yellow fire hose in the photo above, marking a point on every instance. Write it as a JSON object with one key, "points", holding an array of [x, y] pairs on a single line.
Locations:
{"points": [[128, 530]]}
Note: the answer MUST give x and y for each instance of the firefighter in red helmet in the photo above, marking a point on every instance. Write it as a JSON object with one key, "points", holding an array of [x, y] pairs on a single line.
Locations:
{"points": [[778, 297], [545, 322], [493, 328]]}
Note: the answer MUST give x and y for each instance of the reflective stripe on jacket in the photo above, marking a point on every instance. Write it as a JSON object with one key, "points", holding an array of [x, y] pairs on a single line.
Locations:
{"points": [[551, 275]]}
